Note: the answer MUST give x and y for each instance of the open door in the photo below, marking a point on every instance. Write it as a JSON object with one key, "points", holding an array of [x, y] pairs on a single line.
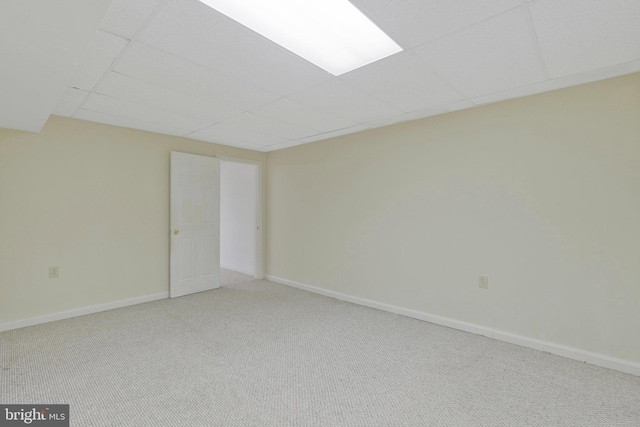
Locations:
{"points": [[195, 224]]}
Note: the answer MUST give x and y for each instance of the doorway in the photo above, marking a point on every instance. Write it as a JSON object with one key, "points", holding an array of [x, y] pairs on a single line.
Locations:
{"points": [[240, 221]]}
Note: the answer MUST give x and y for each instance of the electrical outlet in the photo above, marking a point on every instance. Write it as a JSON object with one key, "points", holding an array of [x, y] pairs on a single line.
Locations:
{"points": [[484, 282], [54, 272]]}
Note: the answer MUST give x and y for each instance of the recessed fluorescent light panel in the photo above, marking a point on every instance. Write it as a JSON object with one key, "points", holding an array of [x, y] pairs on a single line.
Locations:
{"points": [[333, 34]]}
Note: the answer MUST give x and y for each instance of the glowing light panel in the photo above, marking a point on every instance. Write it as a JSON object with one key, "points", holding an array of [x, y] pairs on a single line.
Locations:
{"points": [[333, 34]]}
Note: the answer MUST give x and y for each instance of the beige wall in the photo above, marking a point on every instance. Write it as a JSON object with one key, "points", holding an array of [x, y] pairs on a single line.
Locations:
{"points": [[541, 193], [92, 199]]}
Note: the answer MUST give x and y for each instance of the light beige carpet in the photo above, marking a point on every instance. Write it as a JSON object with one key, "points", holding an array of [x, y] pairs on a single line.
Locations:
{"points": [[262, 354], [230, 277]]}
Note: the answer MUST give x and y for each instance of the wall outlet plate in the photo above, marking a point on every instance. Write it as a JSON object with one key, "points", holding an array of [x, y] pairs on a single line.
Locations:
{"points": [[54, 272], [484, 282]]}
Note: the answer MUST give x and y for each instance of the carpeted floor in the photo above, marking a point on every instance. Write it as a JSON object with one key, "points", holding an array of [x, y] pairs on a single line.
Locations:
{"points": [[255, 353], [230, 277]]}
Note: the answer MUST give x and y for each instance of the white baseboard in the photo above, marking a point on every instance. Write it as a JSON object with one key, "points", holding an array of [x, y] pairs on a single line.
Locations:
{"points": [[81, 311], [621, 365], [239, 270], [614, 363]]}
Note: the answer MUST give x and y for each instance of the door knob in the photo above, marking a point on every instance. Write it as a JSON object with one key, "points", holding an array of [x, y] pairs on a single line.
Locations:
{"points": [[176, 232]]}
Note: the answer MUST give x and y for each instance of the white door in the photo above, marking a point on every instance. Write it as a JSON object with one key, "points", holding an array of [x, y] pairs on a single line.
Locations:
{"points": [[195, 224]]}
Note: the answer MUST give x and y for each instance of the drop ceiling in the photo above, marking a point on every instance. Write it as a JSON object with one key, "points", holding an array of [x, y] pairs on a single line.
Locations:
{"points": [[178, 67]]}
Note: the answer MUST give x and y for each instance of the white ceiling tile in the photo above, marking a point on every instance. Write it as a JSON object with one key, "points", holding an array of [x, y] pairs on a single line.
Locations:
{"points": [[494, 55], [200, 34], [440, 109], [415, 115], [97, 60], [580, 35], [386, 121], [294, 113], [608, 72], [227, 141], [130, 89], [152, 65], [41, 43], [403, 81], [268, 126], [127, 122], [282, 145], [519, 92], [69, 102], [223, 131], [338, 98], [117, 107], [413, 22], [561, 82], [125, 17], [333, 134]]}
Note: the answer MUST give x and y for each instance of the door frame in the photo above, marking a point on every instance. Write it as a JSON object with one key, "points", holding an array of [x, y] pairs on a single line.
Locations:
{"points": [[259, 226]]}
